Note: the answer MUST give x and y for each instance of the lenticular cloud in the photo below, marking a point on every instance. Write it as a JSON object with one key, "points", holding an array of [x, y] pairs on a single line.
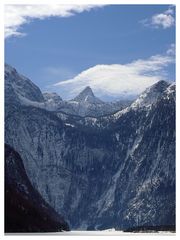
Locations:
{"points": [[119, 79]]}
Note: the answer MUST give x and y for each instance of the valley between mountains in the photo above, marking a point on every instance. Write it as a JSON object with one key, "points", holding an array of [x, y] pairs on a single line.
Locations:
{"points": [[85, 164]]}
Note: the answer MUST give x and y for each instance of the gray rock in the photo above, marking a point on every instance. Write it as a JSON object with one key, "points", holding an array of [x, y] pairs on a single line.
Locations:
{"points": [[114, 171]]}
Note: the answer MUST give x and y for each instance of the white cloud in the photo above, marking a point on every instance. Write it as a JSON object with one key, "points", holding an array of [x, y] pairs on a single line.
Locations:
{"points": [[119, 79], [17, 15], [164, 20], [171, 50]]}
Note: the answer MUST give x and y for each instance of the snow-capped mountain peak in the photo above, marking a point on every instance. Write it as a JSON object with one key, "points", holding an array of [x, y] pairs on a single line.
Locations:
{"points": [[150, 95], [88, 96]]}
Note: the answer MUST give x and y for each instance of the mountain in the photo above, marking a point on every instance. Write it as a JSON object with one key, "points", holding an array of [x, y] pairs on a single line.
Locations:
{"points": [[115, 171], [52, 101], [20, 87], [87, 104], [24, 92], [25, 210], [151, 95], [87, 96], [52, 97], [145, 184]]}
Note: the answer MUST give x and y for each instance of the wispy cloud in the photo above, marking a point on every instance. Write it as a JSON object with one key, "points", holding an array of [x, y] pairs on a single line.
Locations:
{"points": [[162, 20], [17, 15], [120, 79]]}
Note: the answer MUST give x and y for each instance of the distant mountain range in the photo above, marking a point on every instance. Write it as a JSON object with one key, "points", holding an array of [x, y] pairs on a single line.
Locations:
{"points": [[85, 104], [100, 165]]}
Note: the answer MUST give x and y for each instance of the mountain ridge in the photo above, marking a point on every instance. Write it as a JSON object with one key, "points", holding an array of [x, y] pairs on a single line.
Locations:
{"points": [[84, 104], [105, 172]]}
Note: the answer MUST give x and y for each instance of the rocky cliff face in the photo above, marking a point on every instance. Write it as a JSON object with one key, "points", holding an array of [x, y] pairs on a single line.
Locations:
{"points": [[114, 171], [25, 209], [20, 86]]}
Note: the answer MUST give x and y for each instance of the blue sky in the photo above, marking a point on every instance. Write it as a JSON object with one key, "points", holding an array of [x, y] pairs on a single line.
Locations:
{"points": [[58, 49]]}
